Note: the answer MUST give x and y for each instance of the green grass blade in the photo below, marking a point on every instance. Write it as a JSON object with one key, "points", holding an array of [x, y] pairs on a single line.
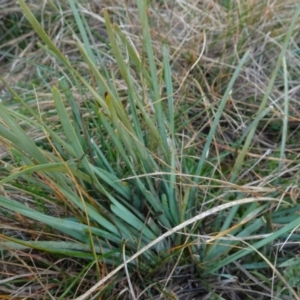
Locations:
{"points": [[71, 228], [155, 88], [173, 202], [18, 136], [285, 117], [82, 28], [215, 124], [41, 32], [268, 240]]}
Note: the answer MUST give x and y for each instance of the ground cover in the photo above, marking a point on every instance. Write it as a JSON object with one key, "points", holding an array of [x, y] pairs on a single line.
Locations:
{"points": [[149, 150]]}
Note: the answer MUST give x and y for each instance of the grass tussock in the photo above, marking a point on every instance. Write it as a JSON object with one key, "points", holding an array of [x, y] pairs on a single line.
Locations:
{"points": [[149, 150]]}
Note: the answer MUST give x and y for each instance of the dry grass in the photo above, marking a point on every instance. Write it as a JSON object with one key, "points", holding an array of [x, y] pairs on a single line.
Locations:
{"points": [[207, 40]]}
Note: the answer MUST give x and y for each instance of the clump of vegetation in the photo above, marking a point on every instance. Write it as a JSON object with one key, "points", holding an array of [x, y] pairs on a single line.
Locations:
{"points": [[149, 151]]}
